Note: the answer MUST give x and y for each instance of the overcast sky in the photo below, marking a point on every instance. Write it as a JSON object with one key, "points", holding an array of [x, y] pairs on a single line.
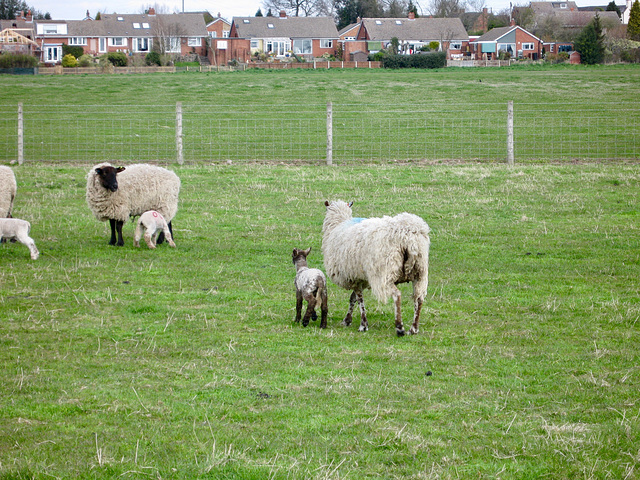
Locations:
{"points": [[77, 9]]}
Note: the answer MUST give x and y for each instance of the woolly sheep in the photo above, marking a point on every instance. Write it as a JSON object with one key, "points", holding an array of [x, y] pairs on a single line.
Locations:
{"points": [[115, 194], [8, 189], [311, 285], [151, 222], [14, 228], [378, 253]]}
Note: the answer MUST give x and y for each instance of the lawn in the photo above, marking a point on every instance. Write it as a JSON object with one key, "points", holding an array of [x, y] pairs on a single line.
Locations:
{"points": [[186, 363]]}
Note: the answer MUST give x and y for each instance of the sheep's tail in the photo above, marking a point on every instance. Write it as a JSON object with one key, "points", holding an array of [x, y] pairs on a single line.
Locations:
{"points": [[11, 206]]}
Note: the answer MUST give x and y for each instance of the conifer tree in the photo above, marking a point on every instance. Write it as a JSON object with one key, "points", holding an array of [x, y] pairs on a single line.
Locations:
{"points": [[633, 28]]}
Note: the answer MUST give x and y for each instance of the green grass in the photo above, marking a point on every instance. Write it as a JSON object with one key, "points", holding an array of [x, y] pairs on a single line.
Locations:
{"points": [[185, 363]]}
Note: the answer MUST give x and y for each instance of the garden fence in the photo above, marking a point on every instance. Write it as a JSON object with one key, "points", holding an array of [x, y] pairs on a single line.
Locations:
{"points": [[324, 133]]}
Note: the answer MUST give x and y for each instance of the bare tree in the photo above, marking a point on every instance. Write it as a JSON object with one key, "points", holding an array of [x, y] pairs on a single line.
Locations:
{"points": [[299, 8], [446, 8]]}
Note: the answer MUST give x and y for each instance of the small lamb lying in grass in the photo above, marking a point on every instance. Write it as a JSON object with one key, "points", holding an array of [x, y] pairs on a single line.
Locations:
{"points": [[14, 228], [311, 285], [152, 221]]}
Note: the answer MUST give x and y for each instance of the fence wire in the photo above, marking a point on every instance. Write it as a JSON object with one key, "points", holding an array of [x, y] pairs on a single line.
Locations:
{"points": [[299, 132]]}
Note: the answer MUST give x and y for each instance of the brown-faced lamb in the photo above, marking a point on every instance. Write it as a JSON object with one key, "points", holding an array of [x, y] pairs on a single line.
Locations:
{"points": [[151, 222], [16, 229], [115, 194], [311, 285], [8, 189], [378, 253]]}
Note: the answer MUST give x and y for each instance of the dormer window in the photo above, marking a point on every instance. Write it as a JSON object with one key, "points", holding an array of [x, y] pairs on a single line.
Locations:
{"points": [[563, 5]]}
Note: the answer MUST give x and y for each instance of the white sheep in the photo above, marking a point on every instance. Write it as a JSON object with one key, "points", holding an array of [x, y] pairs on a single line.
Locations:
{"points": [[115, 194], [151, 222], [311, 285], [16, 229], [8, 189], [378, 253]]}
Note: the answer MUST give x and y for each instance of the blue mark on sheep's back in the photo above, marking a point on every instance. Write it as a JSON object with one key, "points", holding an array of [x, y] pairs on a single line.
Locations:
{"points": [[356, 220]]}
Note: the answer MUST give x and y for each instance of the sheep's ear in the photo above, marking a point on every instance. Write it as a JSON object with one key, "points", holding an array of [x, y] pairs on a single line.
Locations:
{"points": [[295, 252], [306, 252], [120, 169], [326, 203], [350, 204], [99, 171]]}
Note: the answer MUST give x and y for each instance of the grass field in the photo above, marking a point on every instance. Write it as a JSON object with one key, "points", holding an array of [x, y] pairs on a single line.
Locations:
{"points": [[186, 363], [562, 114]]}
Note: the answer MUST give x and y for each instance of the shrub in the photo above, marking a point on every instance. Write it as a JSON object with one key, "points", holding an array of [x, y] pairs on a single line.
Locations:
{"points": [[17, 60], [74, 50], [418, 60], [69, 61], [152, 58], [434, 45], [117, 59], [85, 61]]}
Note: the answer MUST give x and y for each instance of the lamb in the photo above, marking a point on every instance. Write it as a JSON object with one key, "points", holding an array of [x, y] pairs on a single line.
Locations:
{"points": [[14, 228], [8, 189], [115, 194], [378, 253], [151, 222], [311, 285]]}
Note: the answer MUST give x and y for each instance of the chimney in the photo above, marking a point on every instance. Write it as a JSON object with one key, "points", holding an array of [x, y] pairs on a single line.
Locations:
{"points": [[358, 20], [512, 23], [412, 16], [29, 16], [219, 15], [283, 14], [152, 11]]}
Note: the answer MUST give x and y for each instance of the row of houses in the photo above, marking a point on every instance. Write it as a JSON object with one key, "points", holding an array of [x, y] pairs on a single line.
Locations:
{"points": [[247, 39]]}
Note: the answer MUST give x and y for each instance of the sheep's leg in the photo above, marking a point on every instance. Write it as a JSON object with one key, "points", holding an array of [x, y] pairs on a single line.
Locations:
{"points": [[311, 306], [148, 238], [138, 235], [30, 244], [112, 224], [364, 325], [169, 237], [298, 305], [161, 236], [324, 308], [119, 230], [397, 302], [352, 302], [417, 306]]}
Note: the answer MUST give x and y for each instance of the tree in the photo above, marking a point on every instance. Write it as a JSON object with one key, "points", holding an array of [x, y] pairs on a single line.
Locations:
{"points": [[633, 28], [348, 11], [612, 7], [298, 8], [259, 13], [411, 8], [446, 8], [590, 43], [9, 9]]}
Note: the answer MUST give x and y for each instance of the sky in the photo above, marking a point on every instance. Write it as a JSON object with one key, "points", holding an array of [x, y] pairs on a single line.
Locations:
{"points": [[77, 9]]}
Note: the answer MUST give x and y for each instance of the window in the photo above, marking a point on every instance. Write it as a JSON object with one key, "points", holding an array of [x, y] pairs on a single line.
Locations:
{"points": [[245, 20], [398, 22], [527, 46], [270, 25], [455, 46], [141, 44], [52, 54], [117, 42], [326, 43], [378, 22], [50, 29], [120, 19], [103, 44], [136, 25], [302, 46], [145, 25], [194, 42], [278, 47], [225, 34], [172, 44], [254, 44], [77, 41], [213, 34]]}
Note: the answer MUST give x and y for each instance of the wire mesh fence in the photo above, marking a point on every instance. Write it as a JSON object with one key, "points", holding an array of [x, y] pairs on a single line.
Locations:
{"points": [[343, 133]]}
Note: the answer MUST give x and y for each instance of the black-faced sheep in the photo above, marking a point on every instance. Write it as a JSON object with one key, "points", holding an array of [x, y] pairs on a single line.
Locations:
{"points": [[151, 222], [115, 194], [378, 253], [16, 229], [8, 189], [311, 285]]}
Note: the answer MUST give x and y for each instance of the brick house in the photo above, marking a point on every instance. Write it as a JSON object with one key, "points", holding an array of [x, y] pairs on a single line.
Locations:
{"points": [[132, 34], [281, 37], [514, 40], [414, 33]]}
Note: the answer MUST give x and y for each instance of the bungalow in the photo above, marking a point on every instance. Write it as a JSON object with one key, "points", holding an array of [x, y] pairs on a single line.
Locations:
{"points": [[513, 40], [179, 34], [307, 37], [219, 28], [17, 35], [414, 33]]}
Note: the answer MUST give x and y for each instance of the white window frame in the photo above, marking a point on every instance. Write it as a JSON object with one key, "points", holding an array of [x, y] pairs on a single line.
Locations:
{"points": [[172, 44], [194, 42], [213, 34], [102, 44], [278, 46], [117, 41], [138, 44], [52, 53], [326, 43], [303, 46], [455, 45], [528, 46], [225, 34], [77, 40]]}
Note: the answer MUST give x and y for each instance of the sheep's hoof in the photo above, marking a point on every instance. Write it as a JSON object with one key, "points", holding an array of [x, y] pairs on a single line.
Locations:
{"points": [[363, 328], [314, 316], [413, 331], [400, 332]]}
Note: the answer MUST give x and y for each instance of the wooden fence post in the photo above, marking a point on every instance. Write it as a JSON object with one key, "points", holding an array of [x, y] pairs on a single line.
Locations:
{"points": [[510, 153], [329, 133], [179, 132], [20, 134]]}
